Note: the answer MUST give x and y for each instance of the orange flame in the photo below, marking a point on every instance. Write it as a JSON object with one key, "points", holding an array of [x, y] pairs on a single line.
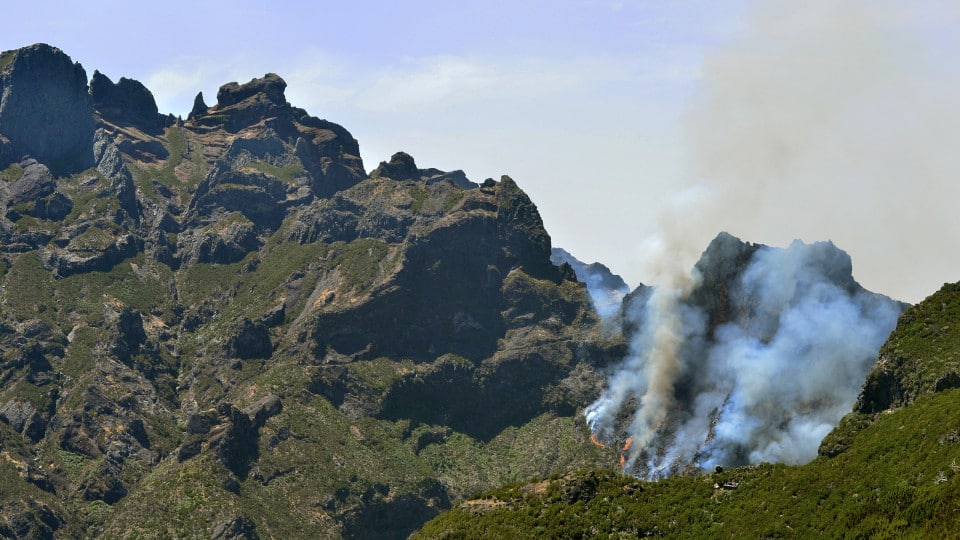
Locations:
{"points": [[596, 441], [627, 445], [623, 461]]}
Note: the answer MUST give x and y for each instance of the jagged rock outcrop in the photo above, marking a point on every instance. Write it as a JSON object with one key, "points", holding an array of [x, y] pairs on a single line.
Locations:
{"points": [[45, 109], [128, 102], [35, 194], [199, 107], [403, 167]]}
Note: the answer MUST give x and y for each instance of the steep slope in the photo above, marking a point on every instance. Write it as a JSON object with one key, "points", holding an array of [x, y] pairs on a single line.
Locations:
{"points": [[892, 472], [756, 362], [223, 327]]}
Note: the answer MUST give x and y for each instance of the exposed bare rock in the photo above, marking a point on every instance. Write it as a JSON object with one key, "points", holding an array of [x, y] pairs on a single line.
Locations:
{"points": [[402, 167], [199, 107], [45, 109], [127, 102]]}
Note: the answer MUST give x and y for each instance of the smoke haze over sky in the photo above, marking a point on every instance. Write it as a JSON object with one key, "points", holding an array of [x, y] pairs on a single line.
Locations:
{"points": [[772, 119]]}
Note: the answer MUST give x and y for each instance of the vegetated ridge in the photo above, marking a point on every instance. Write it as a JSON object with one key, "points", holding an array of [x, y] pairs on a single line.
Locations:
{"points": [[891, 469]]}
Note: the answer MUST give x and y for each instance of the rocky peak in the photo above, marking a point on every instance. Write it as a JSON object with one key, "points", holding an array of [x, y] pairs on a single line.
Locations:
{"points": [[402, 167], [126, 102], [269, 87], [45, 109], [199, 107]]}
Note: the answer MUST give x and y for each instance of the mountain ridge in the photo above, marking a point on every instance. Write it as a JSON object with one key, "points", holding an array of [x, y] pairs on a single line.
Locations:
{"points": [[205, 317], [887, 471], [223, 326]]}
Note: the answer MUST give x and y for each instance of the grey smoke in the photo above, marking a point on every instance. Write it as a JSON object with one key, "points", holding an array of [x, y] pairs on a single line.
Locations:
{"points": [[765, 385], [836, 119]]}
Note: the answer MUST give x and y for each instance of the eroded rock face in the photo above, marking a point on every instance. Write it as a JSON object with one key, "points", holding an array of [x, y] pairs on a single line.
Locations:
{"points": [[35, 194], [45, 110], [128, 102]]}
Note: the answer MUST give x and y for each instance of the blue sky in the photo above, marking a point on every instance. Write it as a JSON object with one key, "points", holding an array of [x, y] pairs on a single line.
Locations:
{"points": [[631, 123]]}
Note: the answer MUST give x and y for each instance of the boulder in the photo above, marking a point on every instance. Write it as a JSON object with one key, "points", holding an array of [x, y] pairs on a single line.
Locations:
{"points": [[105, 485], [234, 528], [23, 417], [110, 164], [35, 194], [249, 340]]}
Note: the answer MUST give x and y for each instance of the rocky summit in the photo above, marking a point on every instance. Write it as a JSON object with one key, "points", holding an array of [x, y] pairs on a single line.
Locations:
{"points": [[223, 327]]}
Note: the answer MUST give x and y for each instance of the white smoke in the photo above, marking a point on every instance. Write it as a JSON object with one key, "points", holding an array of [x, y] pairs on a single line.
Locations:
{"points": [[822, 120], [766, 386], [606, 300]]}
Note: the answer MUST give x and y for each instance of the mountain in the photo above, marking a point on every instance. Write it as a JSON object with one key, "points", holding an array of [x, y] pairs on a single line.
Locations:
{"points": [[222, 326], [606, 288], [889, 470]]}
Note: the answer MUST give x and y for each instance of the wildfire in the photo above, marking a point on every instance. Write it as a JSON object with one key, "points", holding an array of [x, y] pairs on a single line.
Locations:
{"points": [[623, 453], [596, 441]]}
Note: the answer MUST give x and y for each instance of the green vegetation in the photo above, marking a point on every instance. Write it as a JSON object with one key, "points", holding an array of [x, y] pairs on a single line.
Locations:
{"points": [[6, 57], [359, 262], [166, 174], [924, 354], [892, 474], [287, 174], [140, 369], [29, 289], [419, 195], [11, 173], [452, 200], [899, 479], [203, 280], [192, 499]]}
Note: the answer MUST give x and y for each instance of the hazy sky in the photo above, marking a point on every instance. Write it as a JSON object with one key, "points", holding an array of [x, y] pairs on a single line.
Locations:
{"points": [[772, 119]]}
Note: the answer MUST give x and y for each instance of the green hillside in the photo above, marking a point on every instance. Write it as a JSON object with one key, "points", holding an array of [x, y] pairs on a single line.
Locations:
{"points": [[888, 474]]}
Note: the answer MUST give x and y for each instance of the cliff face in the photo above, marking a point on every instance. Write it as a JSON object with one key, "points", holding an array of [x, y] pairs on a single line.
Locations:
{"points": [[224, 324], [45, 109]]}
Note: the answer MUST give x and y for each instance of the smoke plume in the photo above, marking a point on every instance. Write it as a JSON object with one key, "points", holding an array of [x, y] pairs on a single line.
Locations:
{"points": [[818, 120], [761, 377], [837, 119]]}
